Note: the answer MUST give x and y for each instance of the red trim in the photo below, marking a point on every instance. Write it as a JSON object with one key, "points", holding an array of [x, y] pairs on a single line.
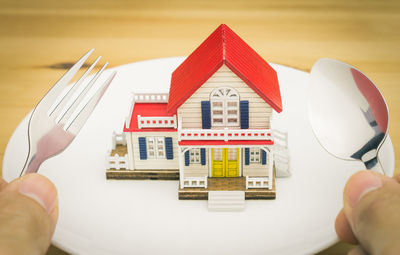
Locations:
{"points": [[150, 130], [217, 142], [223, 46], [148, 110]]}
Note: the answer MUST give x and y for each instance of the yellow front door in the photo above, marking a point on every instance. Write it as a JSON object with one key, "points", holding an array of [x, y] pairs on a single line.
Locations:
{"points": [[232, 162], [225, 162]]}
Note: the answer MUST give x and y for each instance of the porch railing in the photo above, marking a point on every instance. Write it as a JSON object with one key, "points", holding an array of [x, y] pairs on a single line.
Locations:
{"points": [[118, 139], [257, 182], [117, 162], [224, 134], [195, 182]]}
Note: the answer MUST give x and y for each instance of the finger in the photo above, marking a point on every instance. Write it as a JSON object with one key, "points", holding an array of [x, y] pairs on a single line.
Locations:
{"points": [[43, 191], [28, 214], [357, 251], [397, 178], [371, 206], [3, 183], [343, 229]]}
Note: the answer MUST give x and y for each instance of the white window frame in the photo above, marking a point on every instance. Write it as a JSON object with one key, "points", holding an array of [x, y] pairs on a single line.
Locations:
{"points": [[194, 156], [224, 96], [255, 155], [157, 150]]}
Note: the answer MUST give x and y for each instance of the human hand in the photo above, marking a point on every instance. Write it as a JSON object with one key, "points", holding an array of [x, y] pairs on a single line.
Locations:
{"points": [[371, 214], [28, 215]]}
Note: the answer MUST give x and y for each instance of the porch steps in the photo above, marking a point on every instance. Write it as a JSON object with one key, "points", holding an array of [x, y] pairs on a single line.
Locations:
{"points": [[226, 200]]}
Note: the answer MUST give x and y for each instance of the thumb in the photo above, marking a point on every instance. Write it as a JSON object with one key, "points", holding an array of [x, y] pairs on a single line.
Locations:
{"points": [[372, 206], [28, 215]]}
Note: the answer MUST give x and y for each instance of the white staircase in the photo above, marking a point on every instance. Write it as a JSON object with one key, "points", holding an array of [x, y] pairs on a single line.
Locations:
{"points": [[281, 154], [226, 200]]}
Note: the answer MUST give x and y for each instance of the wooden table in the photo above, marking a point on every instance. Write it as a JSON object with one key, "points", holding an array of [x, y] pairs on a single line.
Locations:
{"points": [[40, 39]]}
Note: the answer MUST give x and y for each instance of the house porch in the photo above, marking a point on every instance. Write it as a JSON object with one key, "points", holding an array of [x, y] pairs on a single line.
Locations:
{"points": [[228, 184]]}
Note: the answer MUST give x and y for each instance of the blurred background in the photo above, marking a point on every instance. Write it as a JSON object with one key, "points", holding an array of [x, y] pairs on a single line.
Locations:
{"points": [[39, 40]]}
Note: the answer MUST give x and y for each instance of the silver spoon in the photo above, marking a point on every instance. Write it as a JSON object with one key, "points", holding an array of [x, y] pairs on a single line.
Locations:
{"points": [[347, 112]]}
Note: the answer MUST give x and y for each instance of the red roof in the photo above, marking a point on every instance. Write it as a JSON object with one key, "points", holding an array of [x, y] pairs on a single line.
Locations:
{"points": [[148, 110], [219, 142], [223, 46]]}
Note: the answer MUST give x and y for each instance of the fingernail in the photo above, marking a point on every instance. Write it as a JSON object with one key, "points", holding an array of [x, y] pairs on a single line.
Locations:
{"points": [[40, 189], [361, 184]]}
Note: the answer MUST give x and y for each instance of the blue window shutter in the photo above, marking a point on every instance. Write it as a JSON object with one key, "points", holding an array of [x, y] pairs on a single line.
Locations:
{"points": [[247, 156], [206, 114], [187, 158], [168, 148], [244, 114], [203, 156], [142, 148], [263, 157]]}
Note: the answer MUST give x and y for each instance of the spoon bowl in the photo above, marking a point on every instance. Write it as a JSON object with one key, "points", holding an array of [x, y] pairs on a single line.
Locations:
{"points": [[347, 112]]}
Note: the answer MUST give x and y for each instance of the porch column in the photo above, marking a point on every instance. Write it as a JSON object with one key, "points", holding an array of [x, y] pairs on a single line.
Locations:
{"points": [[129, 146], [270, 169], [181, 165], [270, 165]]}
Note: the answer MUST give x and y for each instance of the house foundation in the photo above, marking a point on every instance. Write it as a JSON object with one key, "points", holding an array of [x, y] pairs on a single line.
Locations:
{"points": [[118, 168]]}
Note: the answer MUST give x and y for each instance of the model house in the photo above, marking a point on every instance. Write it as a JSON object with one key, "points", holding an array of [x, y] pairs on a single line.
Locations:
{"points": [[212, 131]]}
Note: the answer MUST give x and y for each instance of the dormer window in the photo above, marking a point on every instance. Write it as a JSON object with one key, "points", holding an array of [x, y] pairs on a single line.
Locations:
{"points": [[224, 107]]}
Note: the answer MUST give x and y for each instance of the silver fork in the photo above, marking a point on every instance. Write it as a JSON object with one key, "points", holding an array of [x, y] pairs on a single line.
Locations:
{"points": [[61, 113]]}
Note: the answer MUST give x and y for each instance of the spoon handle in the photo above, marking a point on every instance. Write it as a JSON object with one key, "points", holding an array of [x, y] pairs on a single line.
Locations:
{"points": [[375, 165]]}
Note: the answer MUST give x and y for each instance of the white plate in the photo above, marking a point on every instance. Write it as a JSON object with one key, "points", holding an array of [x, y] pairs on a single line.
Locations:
{"points": [[145, 217]]}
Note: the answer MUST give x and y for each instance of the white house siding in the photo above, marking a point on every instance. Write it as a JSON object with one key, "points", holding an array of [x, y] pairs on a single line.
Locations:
{"points": [[197, 169], [259, 111], [255, 169], [155, 164]]}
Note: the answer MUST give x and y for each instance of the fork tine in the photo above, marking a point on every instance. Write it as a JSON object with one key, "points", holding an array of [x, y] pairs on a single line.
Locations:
{"points": [[81, 114], [60, 85], [63, 105], [77, 101]]}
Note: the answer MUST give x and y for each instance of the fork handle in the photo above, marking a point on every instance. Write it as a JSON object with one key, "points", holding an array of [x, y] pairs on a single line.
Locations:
{"points": [[52, 143], [33, 165]]}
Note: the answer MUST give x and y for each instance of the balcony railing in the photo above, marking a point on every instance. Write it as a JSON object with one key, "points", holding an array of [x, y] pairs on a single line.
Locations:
{"points": [[224, 134], [156, 122], [150, 97]]}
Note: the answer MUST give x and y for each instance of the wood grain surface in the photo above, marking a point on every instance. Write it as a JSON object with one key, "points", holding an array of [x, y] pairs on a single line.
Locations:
{"points": [[40, 39]]}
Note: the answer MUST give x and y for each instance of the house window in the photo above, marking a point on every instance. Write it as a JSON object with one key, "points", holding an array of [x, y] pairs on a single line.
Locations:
{"points": [[194, 156], [255, 155], [155, 147], [232, 154], [218, 154], [224, 107]]}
